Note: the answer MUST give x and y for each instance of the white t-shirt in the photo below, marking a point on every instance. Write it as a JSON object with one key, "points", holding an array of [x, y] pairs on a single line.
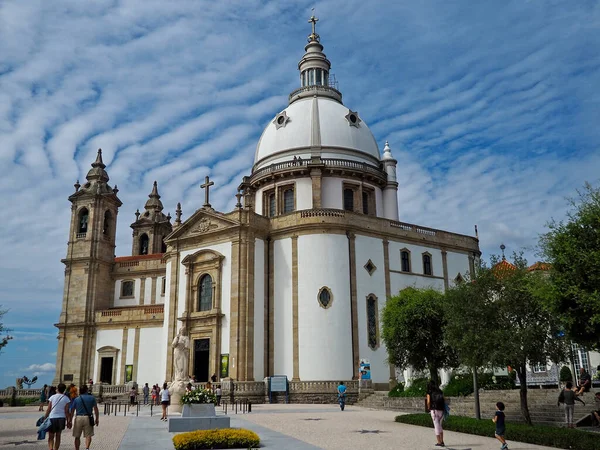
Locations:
{"points": [[164, 395], [59, 401]]}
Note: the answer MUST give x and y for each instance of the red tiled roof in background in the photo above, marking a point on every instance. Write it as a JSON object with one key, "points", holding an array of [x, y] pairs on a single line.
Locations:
{"points": [[139, 257], [504, 266], [539, 266]]}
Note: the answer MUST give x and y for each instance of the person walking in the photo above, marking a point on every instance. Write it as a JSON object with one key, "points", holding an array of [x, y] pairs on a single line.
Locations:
{"points": [[568, 397], [58, 413], [436, 405], [499, 420], [341, 390], [146, 392], [132, 394], [219, 394], [43, 397], [165, 399], [84, 421]]}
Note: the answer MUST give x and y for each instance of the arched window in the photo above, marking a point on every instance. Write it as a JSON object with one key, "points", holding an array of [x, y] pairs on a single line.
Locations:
{"points": [[349, 199], [82, 223], [144, 241], [205, 293], [372, 334], [405, 260], [106, 224], [427, 264], [288, 200]]}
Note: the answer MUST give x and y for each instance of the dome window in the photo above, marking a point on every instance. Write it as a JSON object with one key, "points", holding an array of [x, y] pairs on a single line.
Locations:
{"points": [[353, 119], [281, 120]]}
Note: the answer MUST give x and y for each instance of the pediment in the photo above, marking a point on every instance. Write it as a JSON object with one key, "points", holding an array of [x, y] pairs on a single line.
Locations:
{"points": [[203, 221]]}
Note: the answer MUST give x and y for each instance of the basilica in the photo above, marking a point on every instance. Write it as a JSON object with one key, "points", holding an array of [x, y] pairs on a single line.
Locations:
{"points": [[291, 282]]}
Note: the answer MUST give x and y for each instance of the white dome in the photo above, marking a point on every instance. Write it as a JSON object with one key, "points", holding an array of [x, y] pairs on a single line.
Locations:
{"points": [[316, 122]]}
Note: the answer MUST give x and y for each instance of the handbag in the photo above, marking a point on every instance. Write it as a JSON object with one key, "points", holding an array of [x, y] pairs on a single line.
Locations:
{"points": [[90, 417]]}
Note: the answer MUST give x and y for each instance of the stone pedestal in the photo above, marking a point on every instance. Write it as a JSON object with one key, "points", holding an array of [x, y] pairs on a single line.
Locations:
{"points": [[198, 417], [177, 389]]}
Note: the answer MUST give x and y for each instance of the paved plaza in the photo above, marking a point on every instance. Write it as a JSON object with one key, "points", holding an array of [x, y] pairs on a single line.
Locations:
{"points": [[281, 427]]}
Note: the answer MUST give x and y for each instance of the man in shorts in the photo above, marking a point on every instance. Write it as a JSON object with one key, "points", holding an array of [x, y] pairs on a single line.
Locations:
{"points": [[58, 412], [83, 407]]}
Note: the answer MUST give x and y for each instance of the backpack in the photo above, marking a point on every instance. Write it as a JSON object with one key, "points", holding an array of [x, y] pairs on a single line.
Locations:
{"points": [[437, 400]]}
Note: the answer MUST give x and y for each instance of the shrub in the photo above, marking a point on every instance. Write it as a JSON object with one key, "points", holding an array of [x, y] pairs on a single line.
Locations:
{"points": [[198, 396], [565, 374], [418, 388], [539, 434], [396, 390], [224, 438], [459, 384]]}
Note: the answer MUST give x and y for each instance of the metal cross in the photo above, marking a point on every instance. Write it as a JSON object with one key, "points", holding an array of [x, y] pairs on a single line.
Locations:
{"points": [[207, 184]]}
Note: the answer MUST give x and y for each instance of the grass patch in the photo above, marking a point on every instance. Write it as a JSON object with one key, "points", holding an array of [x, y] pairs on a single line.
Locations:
{"points": [[224, 438], [539, 434]]}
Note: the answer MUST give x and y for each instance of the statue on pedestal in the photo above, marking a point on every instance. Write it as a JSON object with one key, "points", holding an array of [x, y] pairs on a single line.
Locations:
{"points": [[181, 352]]}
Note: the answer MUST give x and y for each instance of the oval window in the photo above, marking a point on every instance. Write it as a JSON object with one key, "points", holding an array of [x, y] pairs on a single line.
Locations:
{"points": [[325, 297], [353, 118], [280, 120]]}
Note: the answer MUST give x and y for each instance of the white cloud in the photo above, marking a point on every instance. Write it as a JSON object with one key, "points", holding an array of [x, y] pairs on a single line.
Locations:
{"points": [[40, 368]]}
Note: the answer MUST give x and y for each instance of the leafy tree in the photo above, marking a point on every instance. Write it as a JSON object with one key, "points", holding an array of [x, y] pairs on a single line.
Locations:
{"points": [[572, 248], [4, 340], [503, 321], [412, 329]]}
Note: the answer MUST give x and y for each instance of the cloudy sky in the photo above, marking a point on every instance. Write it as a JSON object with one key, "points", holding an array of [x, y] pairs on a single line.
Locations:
{"points": [[491, 109]]}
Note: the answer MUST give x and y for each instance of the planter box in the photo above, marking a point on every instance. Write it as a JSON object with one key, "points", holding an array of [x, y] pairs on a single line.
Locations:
{"points": [[199, 410]]}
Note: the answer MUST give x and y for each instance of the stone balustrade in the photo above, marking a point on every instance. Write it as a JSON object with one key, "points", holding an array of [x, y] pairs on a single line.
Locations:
{"points": [[138, 313]]}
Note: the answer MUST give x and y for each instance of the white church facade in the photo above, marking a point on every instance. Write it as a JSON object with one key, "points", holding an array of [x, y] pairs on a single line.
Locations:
{"points": [[291, 282]]}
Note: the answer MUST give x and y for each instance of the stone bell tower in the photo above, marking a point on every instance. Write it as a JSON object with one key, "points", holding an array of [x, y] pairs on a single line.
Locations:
{"points": [[88, 286], [151, 227]]}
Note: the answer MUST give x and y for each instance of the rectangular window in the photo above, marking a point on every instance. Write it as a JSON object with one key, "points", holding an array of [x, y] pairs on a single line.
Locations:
{"points": [[349, 199], [365, 199], [272, 204], [269, 204], [163, 288], [427, 265], [127, 288], [539, 368], [288, 200], [405, 259], [318, 76]]}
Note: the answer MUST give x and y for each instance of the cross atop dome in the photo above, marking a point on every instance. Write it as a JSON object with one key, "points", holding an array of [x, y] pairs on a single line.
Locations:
{"points": [[313, 36]]}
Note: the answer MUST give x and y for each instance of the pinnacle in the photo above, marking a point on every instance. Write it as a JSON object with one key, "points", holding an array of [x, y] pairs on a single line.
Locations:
{"points": [[98, 162]]}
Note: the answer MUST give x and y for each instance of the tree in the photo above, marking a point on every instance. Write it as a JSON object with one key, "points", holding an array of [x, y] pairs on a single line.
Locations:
{"points": [[412, 329], [3, 340], [572, 248], [504, 316]]}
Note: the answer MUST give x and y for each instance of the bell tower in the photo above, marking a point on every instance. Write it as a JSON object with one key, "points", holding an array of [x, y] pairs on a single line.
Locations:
{"points": [[88, 286], [151, 227]]}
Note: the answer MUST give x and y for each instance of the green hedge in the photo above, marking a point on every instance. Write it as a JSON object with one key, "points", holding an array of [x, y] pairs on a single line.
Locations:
{"points": [[20, 401], [540, 435], [396, 390], [223, 438]]}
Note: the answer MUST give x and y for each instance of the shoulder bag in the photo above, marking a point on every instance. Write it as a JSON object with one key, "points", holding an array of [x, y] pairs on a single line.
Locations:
{"points": [[90, 417], [44, 422]]}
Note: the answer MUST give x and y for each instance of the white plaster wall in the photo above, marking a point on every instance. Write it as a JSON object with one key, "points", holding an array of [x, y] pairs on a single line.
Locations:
{"points": [[324, 335], [401, 281], [259, 309], [282, 307], [127, 301], [378, 201], [148, 291], [112, 338], [130, 345], [331, 193], [458, 263], [225, 250], [370, 248], [303, 193], [149, 368], [415, 278]]}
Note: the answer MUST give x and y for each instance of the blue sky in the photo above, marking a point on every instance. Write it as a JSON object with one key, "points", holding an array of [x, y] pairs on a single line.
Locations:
{"points": [[491, 109]]}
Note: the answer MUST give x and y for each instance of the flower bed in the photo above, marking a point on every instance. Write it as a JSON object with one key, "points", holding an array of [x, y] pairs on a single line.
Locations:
{"points": [[539, 434], [199, 396], [226, 438]]}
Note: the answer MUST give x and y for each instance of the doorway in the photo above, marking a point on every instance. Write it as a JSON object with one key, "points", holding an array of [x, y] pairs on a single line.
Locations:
{"points": [[201, 359], [106, 370]]}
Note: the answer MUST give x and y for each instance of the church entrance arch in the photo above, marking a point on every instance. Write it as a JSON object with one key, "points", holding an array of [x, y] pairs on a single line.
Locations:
{"points": [[202, 359]]}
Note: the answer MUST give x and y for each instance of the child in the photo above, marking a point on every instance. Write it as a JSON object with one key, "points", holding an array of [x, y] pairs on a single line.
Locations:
{"points": [[500, 428]]}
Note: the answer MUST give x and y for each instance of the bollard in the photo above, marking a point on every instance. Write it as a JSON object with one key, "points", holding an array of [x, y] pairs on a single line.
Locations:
{"points": [[137, 411], [151, 409], [236, 405], [249, 407]]}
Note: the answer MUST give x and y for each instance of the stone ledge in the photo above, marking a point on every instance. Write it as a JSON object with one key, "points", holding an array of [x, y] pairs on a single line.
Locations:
{"points": [[179, 424]]}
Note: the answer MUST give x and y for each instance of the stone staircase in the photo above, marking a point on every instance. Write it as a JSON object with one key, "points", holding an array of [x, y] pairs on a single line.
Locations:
{"points": [[542, 405]]}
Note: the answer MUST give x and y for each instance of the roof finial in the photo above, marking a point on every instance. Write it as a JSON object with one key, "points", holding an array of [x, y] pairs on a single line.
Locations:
{"points": [[77, 186], [178, 215], [313, 36], [98, 162], [503, 247]]}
